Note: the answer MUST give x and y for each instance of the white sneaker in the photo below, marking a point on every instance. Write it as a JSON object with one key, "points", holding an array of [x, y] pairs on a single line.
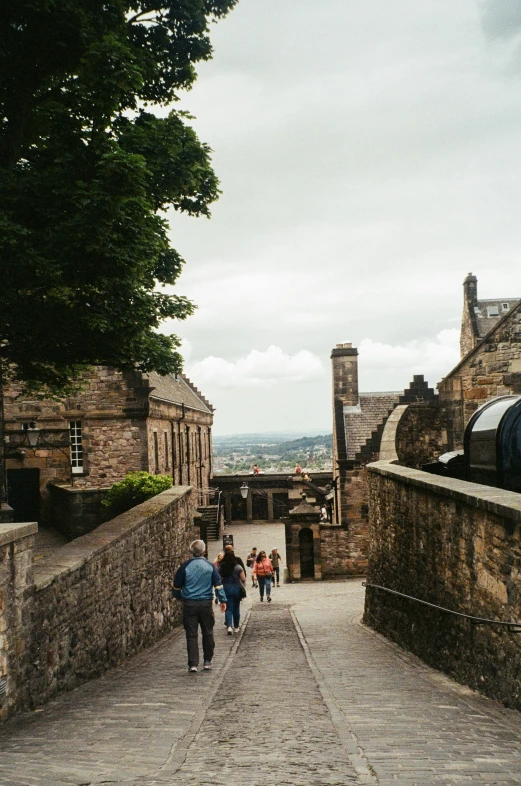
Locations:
{"points": [[236, 630], [230, 631]]}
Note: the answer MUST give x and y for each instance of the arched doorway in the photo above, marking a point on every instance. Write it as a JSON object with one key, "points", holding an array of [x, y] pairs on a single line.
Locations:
{"points": [[307, 559]]}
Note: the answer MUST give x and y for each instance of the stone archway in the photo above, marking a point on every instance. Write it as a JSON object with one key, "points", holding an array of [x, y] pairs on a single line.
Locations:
{"points": [[307, 557]]}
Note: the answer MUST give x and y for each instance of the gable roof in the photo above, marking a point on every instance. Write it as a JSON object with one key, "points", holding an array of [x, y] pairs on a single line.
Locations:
{"points": [[177, 390], [498, 323], [489, 312]]}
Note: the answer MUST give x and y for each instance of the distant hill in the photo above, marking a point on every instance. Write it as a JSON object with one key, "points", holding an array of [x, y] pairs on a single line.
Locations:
{"points": [[272, 452]]}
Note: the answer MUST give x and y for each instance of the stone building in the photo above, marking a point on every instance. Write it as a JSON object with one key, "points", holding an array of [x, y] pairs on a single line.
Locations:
{"points": [[118, 422], [361, 425], [491, 359], [480, 316]]}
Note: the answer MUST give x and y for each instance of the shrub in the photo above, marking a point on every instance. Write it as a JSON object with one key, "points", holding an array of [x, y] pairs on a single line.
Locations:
{"points": [[137, 487]]}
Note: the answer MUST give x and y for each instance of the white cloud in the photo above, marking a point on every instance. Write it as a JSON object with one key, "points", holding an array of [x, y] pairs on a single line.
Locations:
{"points": [[397, 364], [257, 369]]}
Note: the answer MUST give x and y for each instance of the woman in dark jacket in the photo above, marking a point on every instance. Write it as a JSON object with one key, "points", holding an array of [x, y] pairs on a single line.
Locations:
{"points": [[232, 574]]}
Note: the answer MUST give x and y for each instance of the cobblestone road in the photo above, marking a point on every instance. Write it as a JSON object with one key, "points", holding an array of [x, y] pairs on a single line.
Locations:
{"points": [[304, 696]]}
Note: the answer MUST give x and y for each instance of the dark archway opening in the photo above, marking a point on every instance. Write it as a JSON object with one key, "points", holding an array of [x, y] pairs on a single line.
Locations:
{"points": [[307, 558]]}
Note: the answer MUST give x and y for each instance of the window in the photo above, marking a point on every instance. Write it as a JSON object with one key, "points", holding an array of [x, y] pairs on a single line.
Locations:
{"points": [[156, 454], [166, 452], [504, 306], [492, 311], [76, 447]]}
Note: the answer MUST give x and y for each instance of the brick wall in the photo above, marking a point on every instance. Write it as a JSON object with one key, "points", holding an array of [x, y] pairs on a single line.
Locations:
{"points": [[457, 545], [102, 598]]}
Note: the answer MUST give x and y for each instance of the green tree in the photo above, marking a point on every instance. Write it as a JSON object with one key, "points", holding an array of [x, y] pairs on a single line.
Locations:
{"points": [[86, 172]]}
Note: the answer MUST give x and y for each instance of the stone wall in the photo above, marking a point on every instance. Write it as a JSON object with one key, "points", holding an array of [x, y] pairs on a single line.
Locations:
{"points": [[16, 578], [421, 434], [457, 545], [102, 598], [76, 511], [343, 552]]}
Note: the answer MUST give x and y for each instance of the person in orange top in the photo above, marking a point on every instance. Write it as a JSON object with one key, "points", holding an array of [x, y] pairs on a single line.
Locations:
{"points": [[263, 571], [298, 470]]}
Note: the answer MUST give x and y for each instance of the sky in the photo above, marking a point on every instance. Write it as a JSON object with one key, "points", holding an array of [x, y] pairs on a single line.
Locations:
{"points": [[369, 155]]}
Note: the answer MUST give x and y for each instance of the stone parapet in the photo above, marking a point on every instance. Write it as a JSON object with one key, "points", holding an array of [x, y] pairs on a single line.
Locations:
{"points": [[456, 545], [16, 578], [100, 599]]}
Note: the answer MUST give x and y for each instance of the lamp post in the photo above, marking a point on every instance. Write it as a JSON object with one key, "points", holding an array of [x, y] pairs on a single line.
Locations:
{"points": [[244, 490]]}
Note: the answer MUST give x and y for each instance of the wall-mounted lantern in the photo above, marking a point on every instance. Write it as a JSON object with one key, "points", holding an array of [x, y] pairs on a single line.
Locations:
{"points": [[33, 435], [244, 490]]}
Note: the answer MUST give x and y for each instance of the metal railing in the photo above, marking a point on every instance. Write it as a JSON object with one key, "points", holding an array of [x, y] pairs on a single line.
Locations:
{"points": [[512, 627]]}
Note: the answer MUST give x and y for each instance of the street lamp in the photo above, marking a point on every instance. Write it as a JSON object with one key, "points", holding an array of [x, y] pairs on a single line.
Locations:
{"points": [[244, 490]]}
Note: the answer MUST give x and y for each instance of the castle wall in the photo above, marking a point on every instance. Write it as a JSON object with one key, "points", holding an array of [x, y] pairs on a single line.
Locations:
{"points": [[93, 603], [456, 545]]}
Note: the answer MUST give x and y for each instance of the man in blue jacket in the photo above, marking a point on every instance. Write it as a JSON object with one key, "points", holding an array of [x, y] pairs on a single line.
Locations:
{"points": [[194, 584]]}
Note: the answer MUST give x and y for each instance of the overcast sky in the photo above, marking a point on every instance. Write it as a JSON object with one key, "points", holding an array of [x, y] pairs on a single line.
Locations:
{"points": [[369, 154]]}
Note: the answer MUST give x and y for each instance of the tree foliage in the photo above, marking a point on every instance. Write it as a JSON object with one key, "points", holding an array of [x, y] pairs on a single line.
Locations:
{"points": [[86, 171]]}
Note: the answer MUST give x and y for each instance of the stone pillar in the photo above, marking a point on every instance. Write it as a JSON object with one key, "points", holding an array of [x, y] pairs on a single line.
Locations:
{"points": [[469, 334], [344, 359], [249, 506], [270, 506], [16, 576], [303, 516]]}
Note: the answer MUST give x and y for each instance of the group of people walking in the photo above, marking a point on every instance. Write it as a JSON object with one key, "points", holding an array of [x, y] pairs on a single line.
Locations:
{"points": [[197, 582]]}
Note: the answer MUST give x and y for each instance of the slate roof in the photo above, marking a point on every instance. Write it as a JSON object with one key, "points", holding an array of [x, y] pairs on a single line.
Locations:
{"points": [[177, 390], [362, 420], [496, 306]]}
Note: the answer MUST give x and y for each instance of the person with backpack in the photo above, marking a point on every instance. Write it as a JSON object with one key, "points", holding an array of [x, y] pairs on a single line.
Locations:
{"points": [[233, 575], [194, 584], [275, 560], [250, 561], [263, 572]]}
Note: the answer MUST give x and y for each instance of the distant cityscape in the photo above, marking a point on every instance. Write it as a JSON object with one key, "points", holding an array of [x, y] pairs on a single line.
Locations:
{"points": [[274, 452]]}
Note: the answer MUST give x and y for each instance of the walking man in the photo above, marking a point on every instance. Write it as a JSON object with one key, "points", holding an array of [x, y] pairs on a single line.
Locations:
{"points": [[276, 559], [194, 584]]}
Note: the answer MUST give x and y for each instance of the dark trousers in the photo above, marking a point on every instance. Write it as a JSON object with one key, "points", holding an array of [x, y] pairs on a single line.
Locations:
{"points": [[276, 575], [195, 613]]}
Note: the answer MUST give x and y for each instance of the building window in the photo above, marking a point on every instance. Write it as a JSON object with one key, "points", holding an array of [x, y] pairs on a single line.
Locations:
{"points": [[492, 311], [505, 306], [156, 454], [76, 447], [167, 467]]}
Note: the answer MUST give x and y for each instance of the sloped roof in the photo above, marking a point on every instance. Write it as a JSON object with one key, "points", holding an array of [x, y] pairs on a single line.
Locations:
{"points": [[496, 306], [177, 390], [362, 420], [506, 315]]}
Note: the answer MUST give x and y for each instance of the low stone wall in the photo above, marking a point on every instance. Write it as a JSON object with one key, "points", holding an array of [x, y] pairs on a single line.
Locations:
{"points": [[102, 598], [343, 551], [457, 545], [77, 511]]}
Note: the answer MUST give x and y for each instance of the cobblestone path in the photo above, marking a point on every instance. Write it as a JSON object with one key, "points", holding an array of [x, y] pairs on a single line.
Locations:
{"points": [[304, 695], [268, 717]]}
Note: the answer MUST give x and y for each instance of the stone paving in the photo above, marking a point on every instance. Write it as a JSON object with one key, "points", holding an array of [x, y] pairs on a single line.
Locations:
{"points": [[304, 695]]}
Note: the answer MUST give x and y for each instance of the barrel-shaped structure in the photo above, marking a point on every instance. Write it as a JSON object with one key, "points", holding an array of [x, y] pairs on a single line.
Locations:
{"points": [[492, 444]]}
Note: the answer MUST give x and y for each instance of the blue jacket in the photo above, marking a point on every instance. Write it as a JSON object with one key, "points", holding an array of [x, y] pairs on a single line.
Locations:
{"points": [[196, 579]]}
